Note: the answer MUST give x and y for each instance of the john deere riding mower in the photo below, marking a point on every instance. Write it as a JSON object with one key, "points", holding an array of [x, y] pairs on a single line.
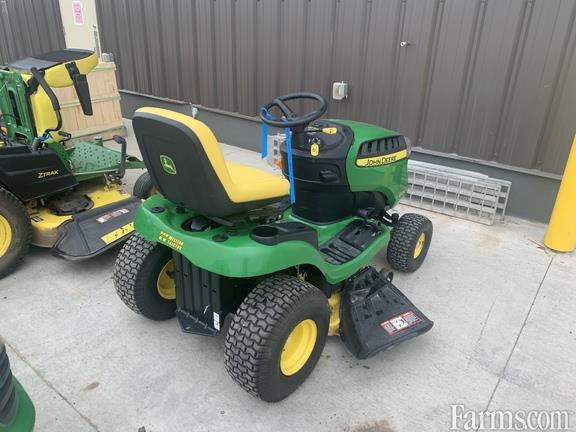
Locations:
{"points": [[222, 245], [67, 198]]}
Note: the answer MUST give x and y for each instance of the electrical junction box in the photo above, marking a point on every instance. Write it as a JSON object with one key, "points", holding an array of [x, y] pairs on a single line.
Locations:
{"points": [[339, 90]]}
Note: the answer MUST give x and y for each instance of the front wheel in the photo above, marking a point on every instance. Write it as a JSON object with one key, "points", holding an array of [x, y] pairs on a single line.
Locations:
{"points": [[143, 187], [144, 278], [409, 242], [276, 337], [15, 232]]}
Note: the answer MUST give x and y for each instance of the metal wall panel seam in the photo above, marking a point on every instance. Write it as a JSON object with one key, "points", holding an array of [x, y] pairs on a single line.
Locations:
{"points": [[430, 67], [565, 59], [396, 59], [512, 74], [471, 56]]}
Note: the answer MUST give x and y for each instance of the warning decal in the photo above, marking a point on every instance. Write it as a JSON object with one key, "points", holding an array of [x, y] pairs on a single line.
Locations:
{"points": [[400, 322], [117, 234], [106, 217]]}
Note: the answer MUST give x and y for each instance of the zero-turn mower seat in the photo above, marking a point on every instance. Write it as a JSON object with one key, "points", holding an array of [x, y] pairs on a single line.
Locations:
{"points": [[54, 65], [186, 164], [59, 69]]}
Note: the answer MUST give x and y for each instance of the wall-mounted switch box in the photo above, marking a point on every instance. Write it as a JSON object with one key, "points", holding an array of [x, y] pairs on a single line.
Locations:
{"points": [[339, 90]]}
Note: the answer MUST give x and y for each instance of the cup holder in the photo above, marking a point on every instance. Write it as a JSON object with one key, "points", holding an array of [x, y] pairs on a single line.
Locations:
{"points": [[284, 231]]}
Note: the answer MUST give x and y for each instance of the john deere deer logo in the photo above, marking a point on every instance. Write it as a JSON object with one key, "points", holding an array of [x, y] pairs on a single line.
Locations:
{"points": [[168, 164]]}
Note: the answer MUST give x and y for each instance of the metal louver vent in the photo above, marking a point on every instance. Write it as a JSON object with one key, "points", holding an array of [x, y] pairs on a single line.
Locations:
{"points": [[382, 146]]}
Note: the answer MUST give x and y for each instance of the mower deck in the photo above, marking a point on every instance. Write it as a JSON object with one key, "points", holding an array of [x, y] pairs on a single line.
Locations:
{"points": [[86, 233], [92, 232], [375, 315]]}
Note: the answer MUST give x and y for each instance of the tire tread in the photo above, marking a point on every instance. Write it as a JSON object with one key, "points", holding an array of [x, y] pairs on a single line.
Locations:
{"points": [[401, 246], [142, 186], [271, 301], [126, 267], [26, 239]]}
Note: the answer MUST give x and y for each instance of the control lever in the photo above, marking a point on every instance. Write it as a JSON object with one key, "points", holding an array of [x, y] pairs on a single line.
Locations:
{"points": [[122, 167]]}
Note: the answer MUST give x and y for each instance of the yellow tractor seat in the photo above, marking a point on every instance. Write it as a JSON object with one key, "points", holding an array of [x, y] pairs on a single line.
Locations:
{"points": [[60, 68], [186, 164], [56, 64]]}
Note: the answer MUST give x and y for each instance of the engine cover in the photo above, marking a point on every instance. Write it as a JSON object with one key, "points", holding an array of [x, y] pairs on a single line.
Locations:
{"points": [[341, 167]]}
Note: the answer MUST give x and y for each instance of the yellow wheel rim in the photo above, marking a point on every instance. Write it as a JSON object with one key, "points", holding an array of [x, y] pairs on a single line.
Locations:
{"points": [[419, 245], [298, 347], [165, 284], [5, 235]]}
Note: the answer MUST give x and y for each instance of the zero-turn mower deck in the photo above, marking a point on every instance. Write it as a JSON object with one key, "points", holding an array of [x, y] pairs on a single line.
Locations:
{"points": [[84, 223]]}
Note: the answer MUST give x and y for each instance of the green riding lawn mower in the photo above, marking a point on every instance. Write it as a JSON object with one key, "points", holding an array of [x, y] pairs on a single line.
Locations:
{"points": [[64, 197], [280, 264]]}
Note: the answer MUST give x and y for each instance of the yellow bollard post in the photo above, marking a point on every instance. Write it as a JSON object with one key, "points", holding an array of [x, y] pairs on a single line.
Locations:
{"points": [[561, 233]]}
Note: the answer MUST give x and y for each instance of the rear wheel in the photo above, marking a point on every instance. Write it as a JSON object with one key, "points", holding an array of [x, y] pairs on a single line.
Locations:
{"points": [[409, 242], [143, 187], [15, 232], [144, 278], [276, 337]]}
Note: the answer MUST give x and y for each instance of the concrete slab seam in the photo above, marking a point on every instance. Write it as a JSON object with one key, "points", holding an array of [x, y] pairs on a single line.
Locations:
{"points": [[503, 372]]}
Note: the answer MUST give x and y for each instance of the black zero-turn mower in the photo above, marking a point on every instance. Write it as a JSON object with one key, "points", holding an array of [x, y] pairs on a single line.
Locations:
{"points": [[64, 197], [222, 240]]}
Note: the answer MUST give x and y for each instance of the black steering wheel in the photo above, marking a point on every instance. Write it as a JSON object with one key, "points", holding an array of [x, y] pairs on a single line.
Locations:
{"points": [[290, 118]]}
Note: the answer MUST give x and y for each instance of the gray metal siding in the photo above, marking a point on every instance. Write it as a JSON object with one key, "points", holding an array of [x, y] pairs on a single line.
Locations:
{"points": [[493, 80], [29, 27]]}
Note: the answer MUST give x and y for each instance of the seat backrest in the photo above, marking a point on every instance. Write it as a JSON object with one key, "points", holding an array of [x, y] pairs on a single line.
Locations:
{"points": [[55, 69], [184, 160], [54, 63]]}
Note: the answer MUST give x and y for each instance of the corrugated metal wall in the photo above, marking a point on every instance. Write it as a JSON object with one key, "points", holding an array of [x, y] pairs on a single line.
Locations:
{"points": [[29, 27], [488, 79]]}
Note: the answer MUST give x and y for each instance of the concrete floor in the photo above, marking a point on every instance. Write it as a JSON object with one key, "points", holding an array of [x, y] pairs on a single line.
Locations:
{"points": [[504, 338]]}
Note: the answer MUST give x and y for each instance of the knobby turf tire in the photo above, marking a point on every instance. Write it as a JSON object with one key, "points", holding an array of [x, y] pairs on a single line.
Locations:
{"points": [[143, 186], [259, 329], [18, 218], [405, 234], [135, 274]]}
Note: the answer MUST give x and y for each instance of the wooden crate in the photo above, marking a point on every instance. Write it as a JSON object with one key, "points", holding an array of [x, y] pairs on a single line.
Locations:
{"points": [[106, 120]]}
